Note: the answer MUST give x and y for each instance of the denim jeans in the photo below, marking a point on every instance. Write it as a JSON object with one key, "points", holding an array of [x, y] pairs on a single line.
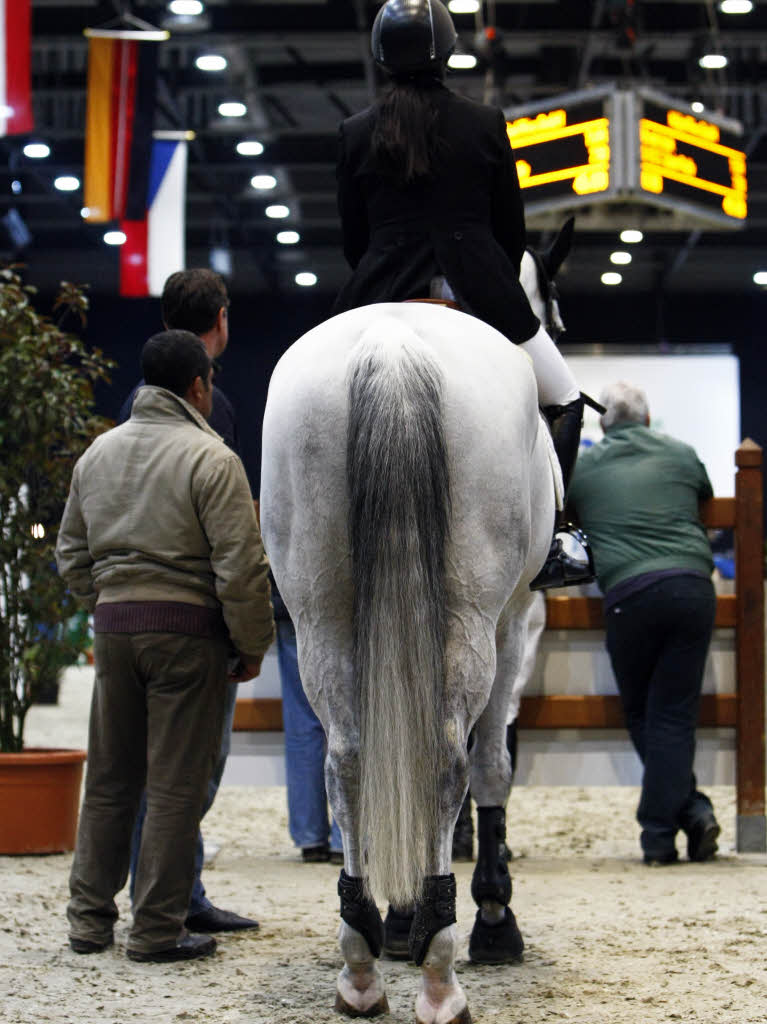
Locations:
{"points": [[658, 640], [305, 748], [198, 900]]}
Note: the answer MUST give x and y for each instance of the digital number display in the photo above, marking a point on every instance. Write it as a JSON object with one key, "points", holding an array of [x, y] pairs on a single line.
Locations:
{"points": [[562, 151], [692, 160]]}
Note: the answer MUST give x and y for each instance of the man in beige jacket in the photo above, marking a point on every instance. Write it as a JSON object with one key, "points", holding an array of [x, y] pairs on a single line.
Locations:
{"points": [[159, 539]]}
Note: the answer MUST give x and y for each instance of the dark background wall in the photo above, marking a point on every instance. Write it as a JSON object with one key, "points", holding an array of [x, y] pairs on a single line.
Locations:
{"points": [[262, 328]]}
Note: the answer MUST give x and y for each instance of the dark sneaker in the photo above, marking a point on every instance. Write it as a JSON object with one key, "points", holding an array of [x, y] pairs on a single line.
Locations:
{"points": [[315, 854], [655, 860], [568, 563], [88, 945], [702, 836], [211, 919], [189, 948]]}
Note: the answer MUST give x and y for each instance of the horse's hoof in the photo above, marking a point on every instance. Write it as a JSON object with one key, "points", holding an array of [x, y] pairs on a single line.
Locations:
{"points": [[379, 1007], [396, 943], [464, 1017], [500, 943]]}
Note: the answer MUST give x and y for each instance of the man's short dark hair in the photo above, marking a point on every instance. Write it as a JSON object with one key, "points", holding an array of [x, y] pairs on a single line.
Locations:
{"points": [[172, 360], [192, 298]]}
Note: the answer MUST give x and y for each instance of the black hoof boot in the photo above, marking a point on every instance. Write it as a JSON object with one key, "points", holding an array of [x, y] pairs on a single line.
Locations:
{"points": [[500, 943], [396, 942]]}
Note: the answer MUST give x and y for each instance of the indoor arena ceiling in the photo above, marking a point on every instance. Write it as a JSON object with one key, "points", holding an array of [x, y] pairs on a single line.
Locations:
{"points": [[300, 67]]}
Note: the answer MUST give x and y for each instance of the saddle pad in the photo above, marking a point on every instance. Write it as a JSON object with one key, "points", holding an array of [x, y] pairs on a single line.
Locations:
{"points": [[559, 487]]}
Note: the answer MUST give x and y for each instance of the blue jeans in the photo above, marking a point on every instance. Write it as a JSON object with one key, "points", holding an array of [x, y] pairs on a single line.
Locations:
{"points": [[198, 900], [658, 640], [304, 753]]}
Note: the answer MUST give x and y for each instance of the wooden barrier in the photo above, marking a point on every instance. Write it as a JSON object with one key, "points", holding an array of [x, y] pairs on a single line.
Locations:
{"points": [[743, 611]]}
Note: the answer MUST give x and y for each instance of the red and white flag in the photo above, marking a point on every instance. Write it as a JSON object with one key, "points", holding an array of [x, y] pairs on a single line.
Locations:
{"points": [[15, 65]]}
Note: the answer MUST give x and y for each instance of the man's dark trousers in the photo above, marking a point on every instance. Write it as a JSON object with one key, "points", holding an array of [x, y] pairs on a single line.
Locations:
{"points": [[155, 722], [658, 640]]}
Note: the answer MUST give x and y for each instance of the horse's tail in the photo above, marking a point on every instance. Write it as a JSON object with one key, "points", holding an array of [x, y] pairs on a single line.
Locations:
{"points": [[399, 517]]}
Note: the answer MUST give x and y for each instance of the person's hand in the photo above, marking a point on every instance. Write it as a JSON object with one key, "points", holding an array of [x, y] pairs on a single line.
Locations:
{"points": [[243, 669]]}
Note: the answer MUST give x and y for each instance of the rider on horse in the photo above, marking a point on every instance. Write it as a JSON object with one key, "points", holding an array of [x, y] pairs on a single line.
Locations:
{"points": [[430, 205]]}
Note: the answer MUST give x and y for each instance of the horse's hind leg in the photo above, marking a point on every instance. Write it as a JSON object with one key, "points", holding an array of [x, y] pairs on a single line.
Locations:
{"points": [[495, 937]]}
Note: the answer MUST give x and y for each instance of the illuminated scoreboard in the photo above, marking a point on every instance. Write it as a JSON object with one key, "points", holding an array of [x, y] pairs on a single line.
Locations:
{"points": [[630, 146], [689, 160], [564, 151]]}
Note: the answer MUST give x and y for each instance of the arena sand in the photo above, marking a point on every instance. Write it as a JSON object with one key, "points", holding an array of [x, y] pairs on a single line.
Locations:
{"points": [[609, 941]]}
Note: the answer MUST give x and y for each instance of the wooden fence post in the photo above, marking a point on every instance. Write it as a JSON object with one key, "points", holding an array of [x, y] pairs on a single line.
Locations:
{"points": [[751, 825]]}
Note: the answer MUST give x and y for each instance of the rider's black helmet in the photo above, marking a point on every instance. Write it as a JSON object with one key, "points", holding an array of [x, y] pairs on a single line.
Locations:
{"points": [[412, 35]]}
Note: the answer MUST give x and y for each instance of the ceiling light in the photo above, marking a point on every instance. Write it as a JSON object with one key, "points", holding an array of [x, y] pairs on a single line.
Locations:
{"points": [[16, 187], [188, 7], [610, 277], [712, 61], [67, 183], [115, 238], [620, 259], [85, 212], [211, 62], [232, 109], [462, 61], [277, 212], [263, 181], [697, 107], [760, 277], [306, 279], [631, 236], [37, 150], [736, 6], [250, 147], [288, 237], [463, 6]]}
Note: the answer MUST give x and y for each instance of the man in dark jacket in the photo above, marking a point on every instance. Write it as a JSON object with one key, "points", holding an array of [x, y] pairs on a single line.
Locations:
{"points": [[196, 300], [637, 493]]}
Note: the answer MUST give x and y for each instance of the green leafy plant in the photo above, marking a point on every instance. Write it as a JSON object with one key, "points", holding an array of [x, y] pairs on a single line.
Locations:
{"points": [[47, 420]]}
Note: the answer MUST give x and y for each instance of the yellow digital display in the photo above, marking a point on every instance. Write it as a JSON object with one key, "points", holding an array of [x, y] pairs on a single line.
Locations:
{"points": [[682, 157], [562, 151]]}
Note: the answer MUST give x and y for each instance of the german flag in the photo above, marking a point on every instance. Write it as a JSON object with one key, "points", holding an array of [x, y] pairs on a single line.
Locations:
{"points": [[122, 76]]}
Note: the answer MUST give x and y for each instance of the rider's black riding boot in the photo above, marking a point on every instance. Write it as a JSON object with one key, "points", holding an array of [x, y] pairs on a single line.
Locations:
{"points": [[563, 567]]}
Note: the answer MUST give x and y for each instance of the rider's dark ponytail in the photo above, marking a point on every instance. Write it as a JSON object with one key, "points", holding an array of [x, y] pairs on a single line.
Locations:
{"points": [[405, 138]]}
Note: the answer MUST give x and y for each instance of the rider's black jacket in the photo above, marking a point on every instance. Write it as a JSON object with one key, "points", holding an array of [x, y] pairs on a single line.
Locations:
{"points": [[465, 222]]}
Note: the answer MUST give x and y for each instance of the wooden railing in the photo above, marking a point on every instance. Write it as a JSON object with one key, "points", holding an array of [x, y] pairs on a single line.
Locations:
{"points": [[743, 611]]}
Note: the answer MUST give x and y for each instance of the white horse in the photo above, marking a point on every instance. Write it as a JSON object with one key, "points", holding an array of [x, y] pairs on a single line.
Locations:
{"points": [[408, 497]]}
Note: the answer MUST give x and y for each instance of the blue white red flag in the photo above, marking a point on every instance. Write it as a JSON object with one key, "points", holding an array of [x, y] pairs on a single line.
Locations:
{"points": [[155, 246]]}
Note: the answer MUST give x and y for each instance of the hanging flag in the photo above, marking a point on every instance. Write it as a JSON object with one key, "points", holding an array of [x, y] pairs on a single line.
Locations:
{"points": [[155, 243], [122, 75], [15, 63]]}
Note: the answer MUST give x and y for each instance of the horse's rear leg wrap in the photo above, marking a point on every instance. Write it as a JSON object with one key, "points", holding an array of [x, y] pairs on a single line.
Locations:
{"points": [[435, 911], [360, 913], [491, 879]]}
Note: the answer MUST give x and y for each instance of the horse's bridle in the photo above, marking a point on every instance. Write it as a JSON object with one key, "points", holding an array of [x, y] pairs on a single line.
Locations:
{"points": [[547, 286]]}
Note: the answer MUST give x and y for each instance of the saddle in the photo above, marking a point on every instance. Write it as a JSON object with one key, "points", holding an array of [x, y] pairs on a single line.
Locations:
{"points": [[438, 302]]}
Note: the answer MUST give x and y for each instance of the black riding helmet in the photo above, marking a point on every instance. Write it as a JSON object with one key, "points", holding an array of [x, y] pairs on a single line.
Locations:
{"points": [[412, 35]]}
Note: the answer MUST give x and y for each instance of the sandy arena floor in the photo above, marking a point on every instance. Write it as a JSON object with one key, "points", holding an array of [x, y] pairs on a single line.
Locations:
{"points": [[609, 941]]}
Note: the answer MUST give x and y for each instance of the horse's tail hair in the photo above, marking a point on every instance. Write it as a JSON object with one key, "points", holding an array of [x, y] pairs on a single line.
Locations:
{"points": [[399, 517]]}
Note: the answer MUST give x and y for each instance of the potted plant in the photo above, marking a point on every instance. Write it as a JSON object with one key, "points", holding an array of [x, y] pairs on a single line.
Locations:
{"points": [[46, 420]]}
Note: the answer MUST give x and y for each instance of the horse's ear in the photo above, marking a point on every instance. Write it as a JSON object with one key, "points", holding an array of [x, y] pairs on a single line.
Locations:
{"points": [[555, 255]]}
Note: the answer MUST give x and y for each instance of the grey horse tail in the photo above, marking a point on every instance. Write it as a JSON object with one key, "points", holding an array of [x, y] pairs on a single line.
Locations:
{"points": [[399, 516]]}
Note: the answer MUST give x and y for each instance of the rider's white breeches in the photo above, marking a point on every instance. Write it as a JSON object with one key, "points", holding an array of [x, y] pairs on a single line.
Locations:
{"points": [[556, 384]]}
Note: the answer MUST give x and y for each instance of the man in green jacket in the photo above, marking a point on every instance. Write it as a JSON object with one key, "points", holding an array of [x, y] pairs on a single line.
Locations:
{"points": [[637, 493], [159, 539]]}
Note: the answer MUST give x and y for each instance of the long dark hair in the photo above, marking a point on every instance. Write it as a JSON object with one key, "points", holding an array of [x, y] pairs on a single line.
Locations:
{"points": [[405, 139]]}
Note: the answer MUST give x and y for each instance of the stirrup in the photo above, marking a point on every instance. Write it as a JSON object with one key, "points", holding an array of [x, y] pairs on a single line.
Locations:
{"points": [[562, 570]]}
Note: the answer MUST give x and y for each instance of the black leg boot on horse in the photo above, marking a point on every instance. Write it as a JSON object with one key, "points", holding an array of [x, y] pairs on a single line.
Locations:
{"points": [[569, 561], [495, 937]]}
